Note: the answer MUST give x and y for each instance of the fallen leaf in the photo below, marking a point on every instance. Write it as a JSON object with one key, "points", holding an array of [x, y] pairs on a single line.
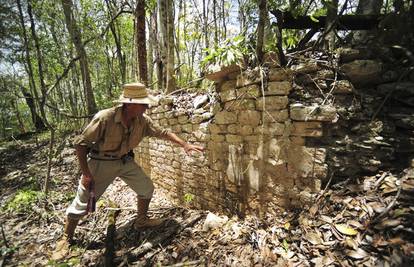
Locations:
{"points": [[346, 230], [313, 238], [287, 226], [357, 254], [351, 243]]}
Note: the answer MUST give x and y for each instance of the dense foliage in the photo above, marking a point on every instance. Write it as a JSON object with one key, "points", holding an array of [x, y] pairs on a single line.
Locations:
{"points": [[42, 71]]}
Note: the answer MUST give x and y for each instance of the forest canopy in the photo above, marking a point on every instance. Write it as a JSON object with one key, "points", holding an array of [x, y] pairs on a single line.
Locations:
{"points": [[61, 61]]}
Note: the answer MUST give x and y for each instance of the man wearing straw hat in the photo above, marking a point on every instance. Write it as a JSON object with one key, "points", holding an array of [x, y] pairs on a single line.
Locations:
{"points": [[108, 141]]}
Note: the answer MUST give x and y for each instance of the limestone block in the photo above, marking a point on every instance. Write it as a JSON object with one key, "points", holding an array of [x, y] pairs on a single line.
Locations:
{"points": [[173, 121], [278, 88], [228, 95], [249, 117], [306, 67], [215, 108], [228, 85], [234, 168], [362, 71], [272, 103], [271, 129], [200, 101], [200, 136], [163, 122], [176, 128], [251, 91], [248, 77], [187, 128], [169, 115], [253, 174], [231, 138], [240, 104], [217, 128], [158, 109], [343, 87], [307, 129], [180, 112], [280, 74], [166, 100], [325, 74], [252, 139], [183, 119], [307, 161], [276, 116], [203, 127], [217, 166], [246, 130], [196, 119], [225, 117], [233, 128], [297, 140], [300, 112], [347, 54], [217, 138]]}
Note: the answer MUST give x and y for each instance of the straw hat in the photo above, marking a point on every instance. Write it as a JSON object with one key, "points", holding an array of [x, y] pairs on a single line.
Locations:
{"points": [[136, 93]]}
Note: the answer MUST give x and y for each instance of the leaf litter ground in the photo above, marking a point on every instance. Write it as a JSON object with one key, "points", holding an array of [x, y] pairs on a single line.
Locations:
{"points": [[361, 222]]}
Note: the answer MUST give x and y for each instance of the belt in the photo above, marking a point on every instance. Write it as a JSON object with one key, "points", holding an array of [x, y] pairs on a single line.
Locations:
{"points": [[96, 155]]}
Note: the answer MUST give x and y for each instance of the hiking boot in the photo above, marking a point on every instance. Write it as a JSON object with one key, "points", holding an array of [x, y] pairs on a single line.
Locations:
{"points": [[143, 221], [62, 248]]}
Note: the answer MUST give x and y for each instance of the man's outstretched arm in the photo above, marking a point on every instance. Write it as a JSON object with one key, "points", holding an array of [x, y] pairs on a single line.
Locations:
{"points": [[187, 147]]}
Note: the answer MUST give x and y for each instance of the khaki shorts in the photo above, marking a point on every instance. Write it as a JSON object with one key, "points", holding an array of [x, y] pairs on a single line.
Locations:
{"points": [[104, 172]]}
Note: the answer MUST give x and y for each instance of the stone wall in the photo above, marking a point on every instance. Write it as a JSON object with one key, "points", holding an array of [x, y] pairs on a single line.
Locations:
{"points": [[273, 136], [255, 157]]}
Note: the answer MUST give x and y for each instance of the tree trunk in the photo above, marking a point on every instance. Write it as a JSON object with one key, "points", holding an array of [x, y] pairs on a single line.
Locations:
{"points": [[223, 14], [76, 37], [22, 129], [215, 22], [118, 43], [331, 20], [150, 52], [366, 7], [263, 16], [36, 119], [140, 41], [171, 84], [163, 40], [43, 99]]}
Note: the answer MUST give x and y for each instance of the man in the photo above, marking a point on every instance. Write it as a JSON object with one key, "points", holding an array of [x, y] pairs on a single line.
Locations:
{"points": [[108, 141]]}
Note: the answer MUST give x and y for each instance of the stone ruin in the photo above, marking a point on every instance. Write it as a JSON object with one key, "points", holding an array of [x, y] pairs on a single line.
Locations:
{"points": [[274, 136]]}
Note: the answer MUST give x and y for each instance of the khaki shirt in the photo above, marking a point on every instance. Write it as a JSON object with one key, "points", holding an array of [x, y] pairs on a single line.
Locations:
{"points": [[106, 134]]}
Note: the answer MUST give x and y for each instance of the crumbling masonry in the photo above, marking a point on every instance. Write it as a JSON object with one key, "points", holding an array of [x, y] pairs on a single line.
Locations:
{"points": [[267, 134]]}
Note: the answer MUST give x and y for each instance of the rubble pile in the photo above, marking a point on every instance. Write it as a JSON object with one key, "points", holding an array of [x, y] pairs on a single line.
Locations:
{"points": [[371, 91]]}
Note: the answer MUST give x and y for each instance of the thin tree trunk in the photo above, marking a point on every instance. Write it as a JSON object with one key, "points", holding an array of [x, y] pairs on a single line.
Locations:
{"points": [[205, 25], [223, 15], [366, 7], [150, 51], [140, 41], [171, 83], [36, 119], [263, 14], [118, 44], [163, 21], [331, 18], [215, 22], [18, 116], [76, 37], [43, 99]]}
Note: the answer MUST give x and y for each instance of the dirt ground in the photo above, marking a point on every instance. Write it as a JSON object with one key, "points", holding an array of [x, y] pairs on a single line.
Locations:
{"points": [[366, 221]]}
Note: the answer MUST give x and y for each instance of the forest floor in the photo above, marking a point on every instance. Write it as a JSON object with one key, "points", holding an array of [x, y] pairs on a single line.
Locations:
{"points": [[366, 221]]}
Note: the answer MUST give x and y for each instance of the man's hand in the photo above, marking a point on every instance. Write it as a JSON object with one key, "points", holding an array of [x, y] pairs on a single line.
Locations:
{"points": [[188, 148]]}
